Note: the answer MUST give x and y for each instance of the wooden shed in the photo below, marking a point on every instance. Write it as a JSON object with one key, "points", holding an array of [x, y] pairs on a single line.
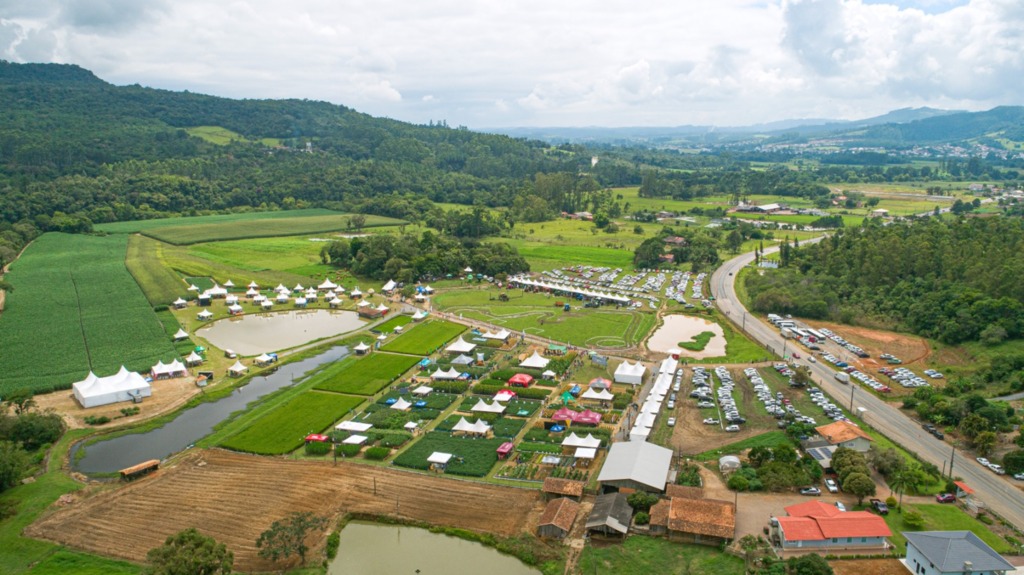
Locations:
{"points": [[554, 486], [558, 517]]}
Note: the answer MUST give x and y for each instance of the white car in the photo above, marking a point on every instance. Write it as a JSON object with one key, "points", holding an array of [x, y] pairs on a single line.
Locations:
{"points": [[840, 506], [998, 469], [671, 421], [811, 359], [732, 428], [983, 461], [832, 487], [711, 421]]}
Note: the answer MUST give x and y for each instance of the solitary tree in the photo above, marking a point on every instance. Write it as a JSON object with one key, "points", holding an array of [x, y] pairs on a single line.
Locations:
{"points": [[985, 442], [21, 400], [189, 552], [811, 564], [860, 485], [287, 536]]}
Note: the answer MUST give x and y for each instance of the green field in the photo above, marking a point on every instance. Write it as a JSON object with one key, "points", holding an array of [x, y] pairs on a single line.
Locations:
{"points": [[424, 338], [223, 136], [158, 282], [389, 326], [477, 456], [76, 308], [194, 233], [645, 555], [283, 429], [938, 517], [368, 375], [137, 226]]}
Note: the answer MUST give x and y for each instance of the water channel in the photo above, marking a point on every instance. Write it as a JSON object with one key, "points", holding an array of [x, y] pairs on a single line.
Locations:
{"points": [[376, 549], [191, 424], [253, 334]]}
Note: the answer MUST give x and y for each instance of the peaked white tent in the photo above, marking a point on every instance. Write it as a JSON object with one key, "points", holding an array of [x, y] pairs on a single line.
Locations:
{"points": [[281, 289], [229, 283], [327, 284], [460, 346], [231, 299], [300, 301], [253, 285], [266, 304], [499, 335], [263, 359], [383, 308], [124, 385], [361, 348], [217, 291], [298, 288], [576, 441], [536, 361], [235, 308], [422, 390], [335, 302], [504, 395], [482, 407], [353, 426], [419, 315], [251, 292], [468, 270], [464, 426], [237, 369], [631, 373], [259, 298], [355, 293], [548, 374], [355, 440], [193, 359], [164, 370], [363, 304], [390, 286], [180, 334], [462, 360], [603, 395], [193, 287], [180, 303], [282, 297], [204, 315], [452, 373], [401, 404]]}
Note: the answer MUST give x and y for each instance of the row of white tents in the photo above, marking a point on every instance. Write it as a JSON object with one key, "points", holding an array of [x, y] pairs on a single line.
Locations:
{"points": [[652, 405]]}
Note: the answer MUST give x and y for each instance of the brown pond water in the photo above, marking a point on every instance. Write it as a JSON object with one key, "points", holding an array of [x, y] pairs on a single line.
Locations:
{"points": [[253, 334]]}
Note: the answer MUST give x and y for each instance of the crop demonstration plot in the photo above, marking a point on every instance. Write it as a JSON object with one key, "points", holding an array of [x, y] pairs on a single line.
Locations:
{"points": [[390, 325], [368, 375], [472, 457], [425, 338], [283, 429], [76, 304]]}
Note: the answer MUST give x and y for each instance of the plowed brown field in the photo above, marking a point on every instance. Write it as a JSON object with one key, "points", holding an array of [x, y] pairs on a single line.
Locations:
{"points": [[234, 497]]}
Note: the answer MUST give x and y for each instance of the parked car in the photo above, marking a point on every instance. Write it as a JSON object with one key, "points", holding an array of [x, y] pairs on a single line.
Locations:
{"points": [[1018, 476], [811, 359], [732, 428], [997, 469], [938, 434], [879, 506], [831, 485], [810, 491], [711, 421], [671, 421], [840, 506], [945, 498], [983, 461]]}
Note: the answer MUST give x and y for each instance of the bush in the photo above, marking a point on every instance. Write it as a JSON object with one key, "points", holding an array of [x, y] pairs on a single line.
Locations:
{"points": [[641, 501], [317, 448], [349, 450], [913, 519], [96, 419], [738, 483], [642, 518], [986, 519], [377, 453], [333, 541], [891, 502]]}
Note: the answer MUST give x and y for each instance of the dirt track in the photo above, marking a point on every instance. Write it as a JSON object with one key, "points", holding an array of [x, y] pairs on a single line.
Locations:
{"points": [[234, 497]]}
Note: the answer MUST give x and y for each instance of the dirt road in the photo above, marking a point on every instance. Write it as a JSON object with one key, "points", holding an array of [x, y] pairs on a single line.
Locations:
{"points": [[234, 497]]}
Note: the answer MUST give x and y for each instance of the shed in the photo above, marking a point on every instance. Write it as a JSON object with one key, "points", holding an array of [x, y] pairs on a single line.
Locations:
{"points": [[704, 521], [611, 515], [636, 465], [563, 487], [558, 517]]}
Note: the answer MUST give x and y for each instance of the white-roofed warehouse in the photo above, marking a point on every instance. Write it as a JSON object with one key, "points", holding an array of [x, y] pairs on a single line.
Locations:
{"points": [[636, 465]]}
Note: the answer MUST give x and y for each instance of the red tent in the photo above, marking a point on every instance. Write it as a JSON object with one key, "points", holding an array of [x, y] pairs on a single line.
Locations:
{"points": [[505, 449], [316, 437], [521, 380], [599, 383], [564, 414], [588, 417]]}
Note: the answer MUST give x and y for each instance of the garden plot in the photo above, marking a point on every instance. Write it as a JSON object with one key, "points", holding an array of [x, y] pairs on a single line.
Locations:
{"points": [[425, 338], [284, 428], [471, 456], [367, 375]]}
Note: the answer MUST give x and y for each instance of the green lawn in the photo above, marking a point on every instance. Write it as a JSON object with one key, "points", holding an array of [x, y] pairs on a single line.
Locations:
{"points": [[368, 375], [389, 326], [646, 555], [158, 282], [290, 254], [283, 429], [137, 226], [769, 439], [76, 308], [940, 517], [424, 338], [223, 136], [65, 562]]}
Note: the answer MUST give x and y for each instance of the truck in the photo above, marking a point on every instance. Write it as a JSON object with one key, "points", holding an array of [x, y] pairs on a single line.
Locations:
{"points": [[788, 333], [842, 377]]}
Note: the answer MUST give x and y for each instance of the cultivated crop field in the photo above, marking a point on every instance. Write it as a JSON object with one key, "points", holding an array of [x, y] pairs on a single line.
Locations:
{"points": [[158, 282], [197, 233], [138, 226], [284, 428], [425, 338], [221, 488], [472, 457], [396, 321], [367, 375], [75, 307]]}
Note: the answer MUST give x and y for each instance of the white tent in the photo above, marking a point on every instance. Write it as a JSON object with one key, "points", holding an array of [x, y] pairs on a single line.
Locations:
{"points": [[504, 395], [363, 304], [217, 291], [383, 308], [482, 407], [603, 395], [729, 463], [330, 295], [452, 373], [300, 301], [193, 287], [382, 337], [180, 334], [501, 335], [422, 390], [204, 315], [298, 288], [282, 297], [259, 298], [419, 297], [235, 308], [327, 285], [462, 360], [266, 304], [122, 386], [630, 373], [548, 374], [585, 453], [355, 292], [460, 346], [173, 369], [253, 285], [353, 426], [401, 404], [468, 270], [428, 289], [361, 348], [420, 314], [480, 426], [411, 426], [391, 285], [263, 359], [180, 303], [311, 294], [576, 441], [439, 458], [251, 292], [281, 289], [229, 283], [355, 440], [535, 361], [237, 369], [335, 302], [231, 299], [193, 359]]}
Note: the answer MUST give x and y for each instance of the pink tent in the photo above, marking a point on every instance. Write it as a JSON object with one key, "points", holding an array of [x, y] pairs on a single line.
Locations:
{"points": [[588, 417], [564, 414]]}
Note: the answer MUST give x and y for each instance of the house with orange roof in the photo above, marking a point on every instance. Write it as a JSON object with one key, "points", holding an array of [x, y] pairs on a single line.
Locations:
{"points": [[558, 517], [845, 434], [818, 525]]}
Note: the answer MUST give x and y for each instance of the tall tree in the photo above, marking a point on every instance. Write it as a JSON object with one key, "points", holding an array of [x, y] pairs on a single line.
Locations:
{"points": [[287, 537]]}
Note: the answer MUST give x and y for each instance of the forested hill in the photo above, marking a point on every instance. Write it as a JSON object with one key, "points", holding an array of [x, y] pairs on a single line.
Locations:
{"points": [[72, 143]]}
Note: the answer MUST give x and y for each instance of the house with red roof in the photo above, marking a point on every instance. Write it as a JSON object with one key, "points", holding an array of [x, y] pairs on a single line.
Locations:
{"points": [[818, 525], [845, 434]]}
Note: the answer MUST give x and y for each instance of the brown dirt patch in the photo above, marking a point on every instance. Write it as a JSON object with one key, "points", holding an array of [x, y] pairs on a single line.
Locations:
{"points": [[168, 395], [234, 497], [873, 566]]}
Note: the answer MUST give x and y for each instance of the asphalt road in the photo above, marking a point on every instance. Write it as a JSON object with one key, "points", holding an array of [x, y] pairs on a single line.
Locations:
{"points": [[1000, 494]]}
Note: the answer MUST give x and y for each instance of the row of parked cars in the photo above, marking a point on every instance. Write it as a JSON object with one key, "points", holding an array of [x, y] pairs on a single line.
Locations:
{"points": [[854, 349], [905, 377], [998, 469], [726, 402]]}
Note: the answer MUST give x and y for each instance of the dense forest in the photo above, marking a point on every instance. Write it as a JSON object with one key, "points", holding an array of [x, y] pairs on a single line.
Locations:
{"points": [[952, 280]]}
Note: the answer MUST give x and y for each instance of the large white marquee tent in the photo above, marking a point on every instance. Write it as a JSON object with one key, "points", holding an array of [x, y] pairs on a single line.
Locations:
{"points": [[124, 385]]}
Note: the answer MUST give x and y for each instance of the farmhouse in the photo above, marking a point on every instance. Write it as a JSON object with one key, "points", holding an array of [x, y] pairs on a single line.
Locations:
{"points": [[631, 373], [558, 517], [636, 465], [704, 521], [952, 552], [563, 487], [610, 516], [845, 434], [822, 526], [124, 385]]}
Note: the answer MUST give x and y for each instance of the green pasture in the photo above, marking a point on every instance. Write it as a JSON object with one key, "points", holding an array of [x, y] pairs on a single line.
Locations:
{"points": [[939, 517], [389, 326], [283, 429], [293, 255], [193, 233], [223, 136], [645, 555], [472, 456], [75, 308], [369, 374], [769, 439], [136, 226], [159, 283], [424, 338]]}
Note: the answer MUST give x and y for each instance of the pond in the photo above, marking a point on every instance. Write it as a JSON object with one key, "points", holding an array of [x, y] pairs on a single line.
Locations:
{"points": [[376, 549], [192, 424], [684, 328], [260, 333]]}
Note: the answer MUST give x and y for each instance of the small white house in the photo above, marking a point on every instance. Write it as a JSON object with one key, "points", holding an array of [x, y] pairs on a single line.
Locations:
{"points": [[952, 552]]}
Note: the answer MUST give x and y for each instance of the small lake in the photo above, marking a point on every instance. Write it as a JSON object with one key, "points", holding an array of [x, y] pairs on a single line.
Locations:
{"points": [[376, 549], [683, 328], [264, 332], [192, 424]]}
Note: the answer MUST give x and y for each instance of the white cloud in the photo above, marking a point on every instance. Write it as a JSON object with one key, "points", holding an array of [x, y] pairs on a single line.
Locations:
{"points": [[535, 62]]}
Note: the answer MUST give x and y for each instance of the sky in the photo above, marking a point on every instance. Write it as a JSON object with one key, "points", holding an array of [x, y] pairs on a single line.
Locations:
{"points": [[508, 63]]}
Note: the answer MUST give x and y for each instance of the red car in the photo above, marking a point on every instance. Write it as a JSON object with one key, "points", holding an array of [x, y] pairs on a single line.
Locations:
{"points": [[945, 498]]}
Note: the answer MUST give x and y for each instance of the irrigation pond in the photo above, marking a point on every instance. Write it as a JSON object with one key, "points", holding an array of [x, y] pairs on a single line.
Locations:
{"points": [[253, 334]]}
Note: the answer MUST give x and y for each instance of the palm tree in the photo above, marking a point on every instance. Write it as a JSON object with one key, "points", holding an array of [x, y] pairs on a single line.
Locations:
{"points": [[899, 480]]}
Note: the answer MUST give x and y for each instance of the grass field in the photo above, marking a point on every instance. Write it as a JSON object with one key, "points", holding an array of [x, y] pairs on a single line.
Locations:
{"points": [[137, 226], [938, 517], [159, 283], [75, 308], [194, 233], [645, 555], [283, 429], [473, 457], [295, 255], [425, 338], [223, 136], [389, 326], [770, 439], [368, 375]]}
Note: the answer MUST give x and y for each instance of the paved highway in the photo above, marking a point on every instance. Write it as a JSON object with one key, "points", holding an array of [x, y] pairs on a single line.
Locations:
{"points": [[998, 493]]}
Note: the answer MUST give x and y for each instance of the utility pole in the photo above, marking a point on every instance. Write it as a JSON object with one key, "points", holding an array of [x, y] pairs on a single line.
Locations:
{"points": [[951, 457], [853, 388]]}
